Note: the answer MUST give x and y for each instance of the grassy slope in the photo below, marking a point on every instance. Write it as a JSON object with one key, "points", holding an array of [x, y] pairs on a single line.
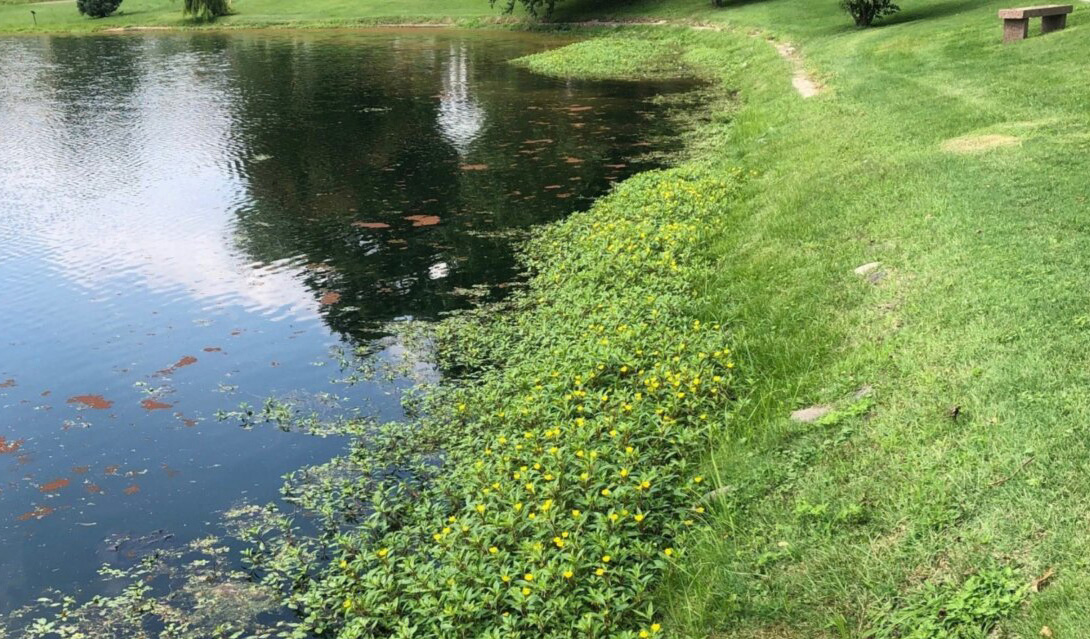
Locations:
{"points": [[984, 307]]}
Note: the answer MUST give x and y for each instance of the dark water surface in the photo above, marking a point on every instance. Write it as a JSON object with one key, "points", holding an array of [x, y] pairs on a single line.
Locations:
{"points": [[189, 222]]}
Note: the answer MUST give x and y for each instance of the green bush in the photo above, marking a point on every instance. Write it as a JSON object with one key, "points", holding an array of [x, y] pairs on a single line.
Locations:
{"points": [[97, 8], [206, 9], [865, 12]]}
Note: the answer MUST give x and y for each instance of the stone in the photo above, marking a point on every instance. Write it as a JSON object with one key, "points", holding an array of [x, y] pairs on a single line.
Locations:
{"points": [[811, 414], [867, 269]]}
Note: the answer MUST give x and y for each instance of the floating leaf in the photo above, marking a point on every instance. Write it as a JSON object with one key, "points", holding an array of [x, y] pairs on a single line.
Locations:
{"points": [[91, 401]]}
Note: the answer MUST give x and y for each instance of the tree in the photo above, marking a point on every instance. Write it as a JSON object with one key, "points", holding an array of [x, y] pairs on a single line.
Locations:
{"points": [[97, 8], [533, 7], [864, 12], [206, 9]]}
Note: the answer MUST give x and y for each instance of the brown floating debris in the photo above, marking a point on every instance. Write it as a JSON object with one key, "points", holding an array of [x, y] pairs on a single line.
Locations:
{"points": [[212, 349], [92, 488], [474, 167], [423, 220], [9, 447], [185, 361], [112, 470], [329, 297], [37, 513], [151, 404], [97, 402], [7, 383], [371, 225], [53, 486], [132, 489], [81, 470]]}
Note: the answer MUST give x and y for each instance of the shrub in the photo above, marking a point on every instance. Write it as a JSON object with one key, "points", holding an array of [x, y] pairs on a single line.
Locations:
{"points": [[97, 8], [206, 9], [864, 12]]}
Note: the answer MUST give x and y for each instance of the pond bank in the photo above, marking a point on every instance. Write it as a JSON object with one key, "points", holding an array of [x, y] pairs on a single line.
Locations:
{"points": [[891, 510]]}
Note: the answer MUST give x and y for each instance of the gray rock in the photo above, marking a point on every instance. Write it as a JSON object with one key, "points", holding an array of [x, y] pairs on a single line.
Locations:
{"points": [[811, 414]]}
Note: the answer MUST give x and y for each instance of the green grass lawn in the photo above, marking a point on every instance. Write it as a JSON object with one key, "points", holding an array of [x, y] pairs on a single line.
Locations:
{"points": [[844, 527], [62, 16], [958, 163]]}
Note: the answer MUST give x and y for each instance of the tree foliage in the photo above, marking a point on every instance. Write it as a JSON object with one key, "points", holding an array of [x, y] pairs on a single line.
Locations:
{"points": [[865, 12], [206, 9], [542, 8], [97, 8]]}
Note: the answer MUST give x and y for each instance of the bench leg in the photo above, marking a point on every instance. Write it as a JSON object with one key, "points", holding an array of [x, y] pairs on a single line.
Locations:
{"points": [[1015, 29], [1053, 23]]}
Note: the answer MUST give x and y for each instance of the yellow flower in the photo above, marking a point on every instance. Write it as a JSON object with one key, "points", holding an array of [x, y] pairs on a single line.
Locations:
{"points": [[655, 627], [605, 492], [516, 475], [638, 517], [697, 479], [600, 572], [548, 476], [568, 574], [506, 579], [525, 591], [480, 508], [645, 484], [669, 552], [347, 604], [518, 506], [528, 577], [575, 513], [624, 472], [644, 634], [383, 552], [606, 558], [613, 516], [493, 550], [559, 542]]}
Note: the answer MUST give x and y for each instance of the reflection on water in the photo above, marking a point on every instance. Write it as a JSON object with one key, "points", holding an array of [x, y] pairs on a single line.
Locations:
{"points": [[188, 222]]}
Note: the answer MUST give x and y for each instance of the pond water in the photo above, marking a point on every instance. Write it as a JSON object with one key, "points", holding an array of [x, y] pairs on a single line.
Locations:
{"points": [[193, 221]]}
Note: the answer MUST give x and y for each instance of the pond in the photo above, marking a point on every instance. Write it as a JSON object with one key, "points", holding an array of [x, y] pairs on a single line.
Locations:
{"points": [[189, 222]]}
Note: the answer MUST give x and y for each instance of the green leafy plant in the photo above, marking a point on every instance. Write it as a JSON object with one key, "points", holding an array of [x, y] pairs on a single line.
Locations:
{"points": [[206, 9], [97, 8], [948, 610], [865, 12], [549, 487]]}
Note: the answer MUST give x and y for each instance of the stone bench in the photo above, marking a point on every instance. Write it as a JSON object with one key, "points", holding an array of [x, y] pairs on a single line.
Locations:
{"points": [[1016, 21]]}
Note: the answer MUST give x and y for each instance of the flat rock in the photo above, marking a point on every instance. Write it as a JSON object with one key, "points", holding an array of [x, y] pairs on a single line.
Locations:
{"points": [[867, 269], [811, 414]]}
